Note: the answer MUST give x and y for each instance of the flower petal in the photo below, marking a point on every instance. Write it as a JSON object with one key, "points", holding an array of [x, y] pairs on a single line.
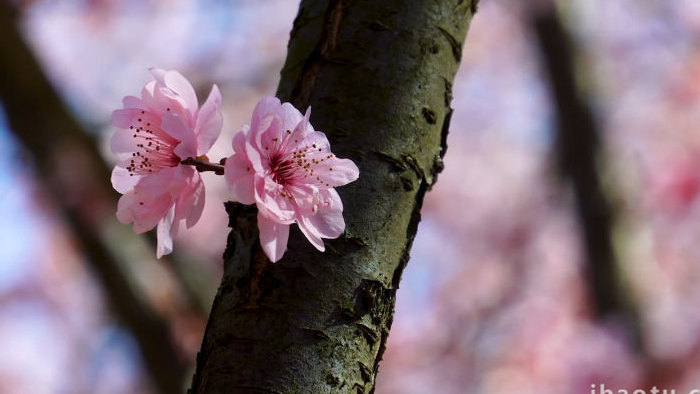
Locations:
{"points": [[273, 237], [149, 99], [318, 139], [123, 118], [254, 158], [190, 203], [328, 220], [144, 212], [123, 141], [268, 106], [133, 102], [267, 138], [163, 235], [270, 202], [122, 180], [299, 132], [177, 127], [168, 181], [290, 116], [325, 218], [124, 211], [160, 100], [239, 140], [310, 233], [239, 178], [272, 135], [336, 172], [329, 169], [174, 81], [180, 85], [209, 122]]}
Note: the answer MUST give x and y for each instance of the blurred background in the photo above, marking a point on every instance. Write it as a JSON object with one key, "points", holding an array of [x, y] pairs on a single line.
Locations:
{"points": [[559, 249]]}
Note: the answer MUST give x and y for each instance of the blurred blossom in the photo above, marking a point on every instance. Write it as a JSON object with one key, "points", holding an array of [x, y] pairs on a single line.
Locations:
{"points": [[115, 363], [18, 213]]}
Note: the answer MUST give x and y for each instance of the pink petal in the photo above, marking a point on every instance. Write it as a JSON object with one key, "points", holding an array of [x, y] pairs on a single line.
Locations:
{"points": [[239, 178], [331, 170], [317, 138], [273, 237], [311, 234], [336, 172], [270, 202], [168, 181], [123, 141], [268, 106], [325, 219], [300, 131], [273, 137], [171, 86], [254, 158], [190, 203], [144, 211], [133, 102], [328, 221], [147, 216], [149, 99], [209, 122], [266, 123], [124, 212], [163, 235], [122, 180], [267, 138], [177, 127], [239, 140], [290, 116], [180, 85], [161, 100], [158, 74], [123, 118]]}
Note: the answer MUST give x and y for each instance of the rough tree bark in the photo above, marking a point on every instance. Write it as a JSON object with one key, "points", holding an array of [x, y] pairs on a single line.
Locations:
{"points": [[378, 76]]}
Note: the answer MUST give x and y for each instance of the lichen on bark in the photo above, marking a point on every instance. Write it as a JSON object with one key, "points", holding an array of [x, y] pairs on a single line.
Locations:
{"points": [[378, 76]]}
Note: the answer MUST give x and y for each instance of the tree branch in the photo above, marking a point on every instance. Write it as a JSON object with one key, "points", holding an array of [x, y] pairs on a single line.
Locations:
{"points": [[378, 75], [578, 144], [203, 166]]}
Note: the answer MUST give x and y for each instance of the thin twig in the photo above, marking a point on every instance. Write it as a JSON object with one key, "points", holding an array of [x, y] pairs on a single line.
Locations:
{"points": [[203, 166]]}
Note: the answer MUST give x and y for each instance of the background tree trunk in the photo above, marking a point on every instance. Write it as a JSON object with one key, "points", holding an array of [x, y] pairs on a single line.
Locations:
{"points": [[72, 170], [579, 154], [378, 76]]}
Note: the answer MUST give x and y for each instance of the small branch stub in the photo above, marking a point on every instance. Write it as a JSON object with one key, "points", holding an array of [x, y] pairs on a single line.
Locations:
{"points": [[202, 164]]}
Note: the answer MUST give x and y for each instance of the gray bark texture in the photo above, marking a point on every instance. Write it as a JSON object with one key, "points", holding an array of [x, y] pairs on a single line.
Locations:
{"points": [[378, 76]]}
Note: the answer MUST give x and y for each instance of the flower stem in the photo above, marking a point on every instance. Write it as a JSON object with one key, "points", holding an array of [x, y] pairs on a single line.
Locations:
{"points": [[203, 166]]}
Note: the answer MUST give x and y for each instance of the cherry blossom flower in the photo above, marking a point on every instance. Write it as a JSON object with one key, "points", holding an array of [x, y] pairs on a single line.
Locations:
{"points": [[156, 133], [286, 168]]}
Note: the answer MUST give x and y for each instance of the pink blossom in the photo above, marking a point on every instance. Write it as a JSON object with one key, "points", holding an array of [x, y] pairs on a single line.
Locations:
{"points": [[287, 169], [156, 132]]}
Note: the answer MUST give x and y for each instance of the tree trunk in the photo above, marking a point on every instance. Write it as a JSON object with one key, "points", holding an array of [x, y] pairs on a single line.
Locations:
{"points": [[378, 76], [579, 153]]}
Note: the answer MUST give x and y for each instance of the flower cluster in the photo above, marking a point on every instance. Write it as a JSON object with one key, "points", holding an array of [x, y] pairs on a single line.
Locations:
{"points": [[279, 162], [287, 169]]}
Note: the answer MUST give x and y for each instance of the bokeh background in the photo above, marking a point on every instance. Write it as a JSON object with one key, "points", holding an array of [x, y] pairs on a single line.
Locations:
{"points": [[499, 295]]}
